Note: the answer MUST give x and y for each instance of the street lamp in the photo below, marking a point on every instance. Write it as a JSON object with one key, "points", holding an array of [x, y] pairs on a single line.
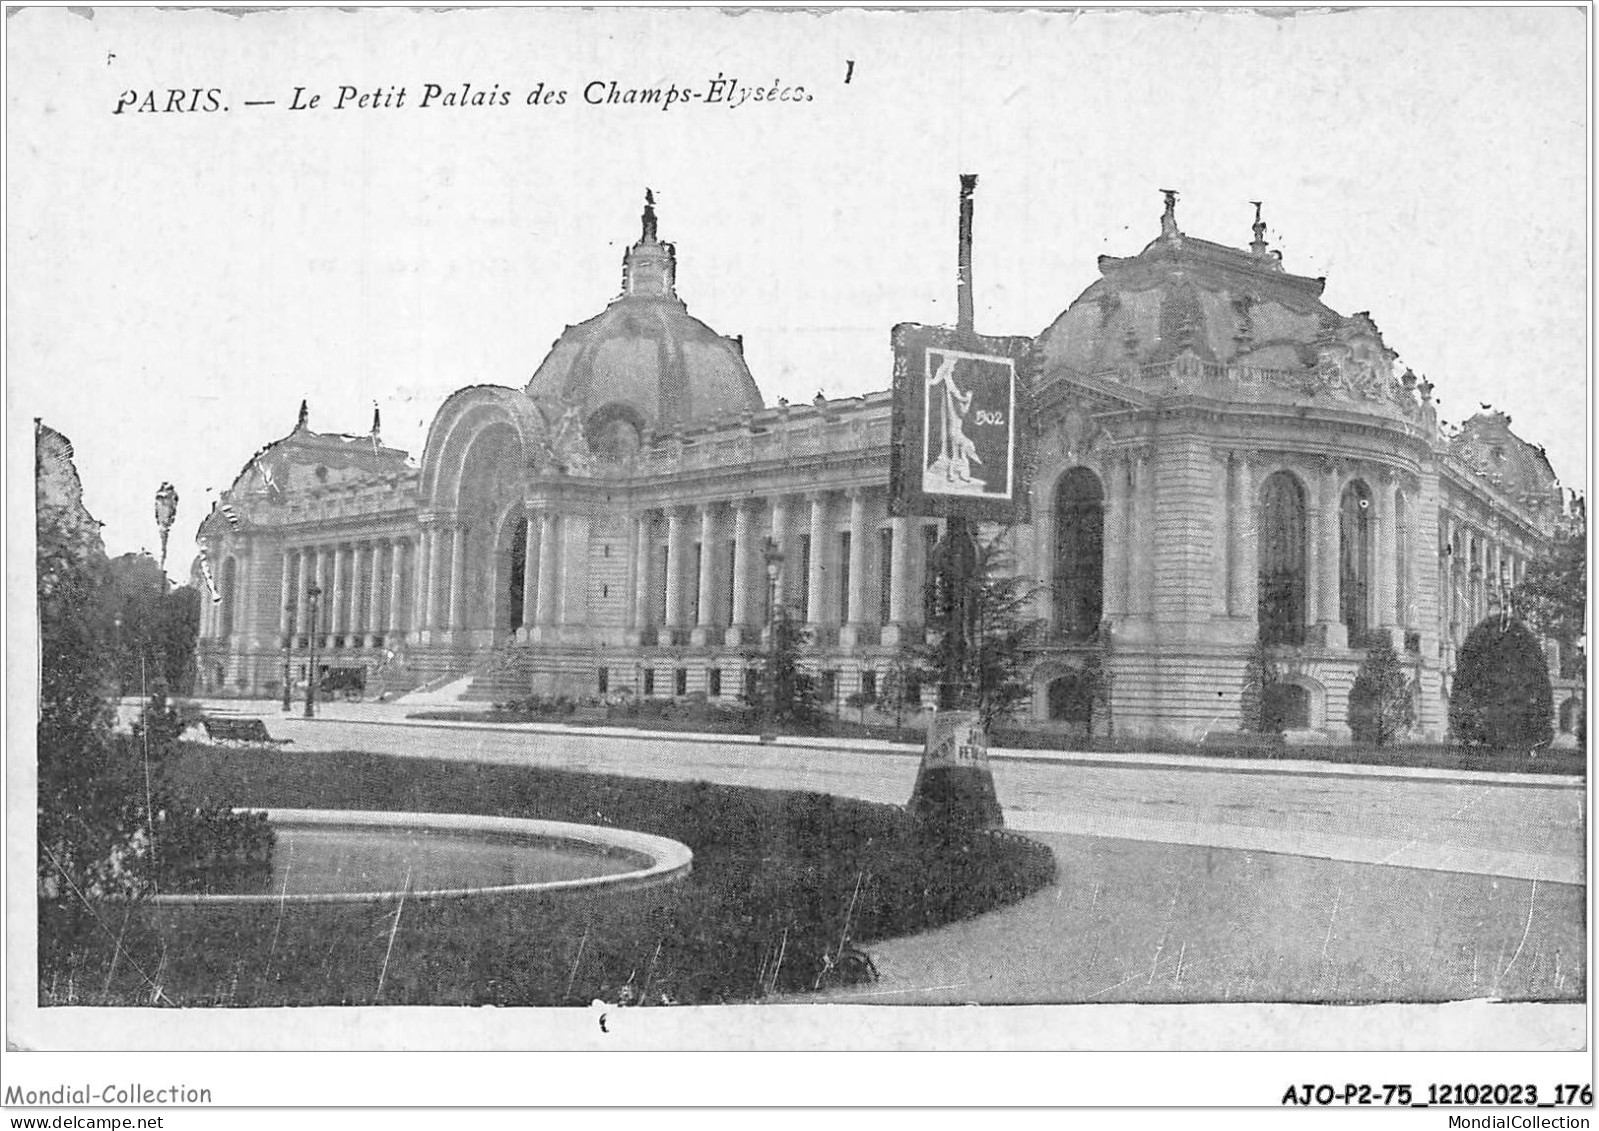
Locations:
{"points": [[288, 655], [310, 675], [122, 686], [774, 567]]}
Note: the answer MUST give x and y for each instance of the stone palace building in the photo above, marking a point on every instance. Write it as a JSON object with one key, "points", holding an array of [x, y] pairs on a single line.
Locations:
{"points": [[1221, 458]]}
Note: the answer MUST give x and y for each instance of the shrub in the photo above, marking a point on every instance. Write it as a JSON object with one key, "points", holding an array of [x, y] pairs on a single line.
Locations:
{"points": [[1501, 694], [1254, 708], [1382, 702]]}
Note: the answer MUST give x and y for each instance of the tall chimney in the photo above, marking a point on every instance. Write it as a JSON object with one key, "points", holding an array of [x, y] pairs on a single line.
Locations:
{"points": [[964, 320]]}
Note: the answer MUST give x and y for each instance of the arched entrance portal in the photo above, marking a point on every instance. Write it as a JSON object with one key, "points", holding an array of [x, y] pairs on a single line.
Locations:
{"points": [[513, 589]]}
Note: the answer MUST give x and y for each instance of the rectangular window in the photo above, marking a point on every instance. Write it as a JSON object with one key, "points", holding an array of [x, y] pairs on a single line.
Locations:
{"points": [[913, 688], [752, 684], [829, 687], [885, 576], [715, 682], [804, 580], [681, 681], [603, 682], [732, 579], [649, 681], [843, 578], [869, 686]]}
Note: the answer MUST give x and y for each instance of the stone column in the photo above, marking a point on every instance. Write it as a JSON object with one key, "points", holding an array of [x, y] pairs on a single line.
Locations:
{"points": [[397, 557], [335, 595], [816, 592], [1115, 538], [641, 573], [1387, 617], [742, 552], [549, 569], [457, 577], [857, 619], [706, 617], [1243, 596], [374, 609], [324, 582], [899, 571], [432, 560], [1141, 535], [859, 536], [1334, 634], [676, 521], [530, 574], [302, 581], [1448, 595], [286, 592], [780, 536]]}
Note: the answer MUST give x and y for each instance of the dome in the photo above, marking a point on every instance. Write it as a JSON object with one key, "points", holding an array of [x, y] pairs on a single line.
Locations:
{"points": [[643, 364], [1181, 295], [1187, 316]]}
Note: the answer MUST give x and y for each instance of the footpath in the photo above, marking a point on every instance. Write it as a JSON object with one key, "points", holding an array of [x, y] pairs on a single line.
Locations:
{"points": [[398, 714]]}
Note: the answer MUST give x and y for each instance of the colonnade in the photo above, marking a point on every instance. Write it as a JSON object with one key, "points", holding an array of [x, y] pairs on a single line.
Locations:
{"points": [[1473, 564], [360, 598], [702, 568]]}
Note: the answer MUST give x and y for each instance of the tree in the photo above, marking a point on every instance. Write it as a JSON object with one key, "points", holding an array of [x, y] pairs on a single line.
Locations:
{"points": [[1501, 695], [1254, 707], [996, 666], [1552, 598], [797, 700], [1382, 702], [153, 627], [982, 662], [901, 687], [108, 824]]}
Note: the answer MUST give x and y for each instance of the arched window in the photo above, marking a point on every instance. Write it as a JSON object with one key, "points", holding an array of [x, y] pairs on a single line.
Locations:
{"points": [[230, 595], [1282, 560], [1079, 554], [1354, 558]]}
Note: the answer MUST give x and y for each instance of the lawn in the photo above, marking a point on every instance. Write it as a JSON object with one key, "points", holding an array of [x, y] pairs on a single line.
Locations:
{"points": [[774, 874]]}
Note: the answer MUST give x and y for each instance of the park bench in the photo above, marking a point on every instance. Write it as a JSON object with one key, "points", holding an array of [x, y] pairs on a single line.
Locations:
{"points": [[240, 730]]}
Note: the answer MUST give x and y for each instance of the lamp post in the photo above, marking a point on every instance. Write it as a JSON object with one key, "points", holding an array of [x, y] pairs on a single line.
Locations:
{"points": [[122, 688], [288, 656], [310, 674], [774, 567]]}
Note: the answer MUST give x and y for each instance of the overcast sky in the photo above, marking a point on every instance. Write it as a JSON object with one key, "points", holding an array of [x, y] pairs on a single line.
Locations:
{"points": [[177, 282]]}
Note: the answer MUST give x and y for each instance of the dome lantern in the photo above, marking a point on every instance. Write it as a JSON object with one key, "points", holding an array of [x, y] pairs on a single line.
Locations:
{"points": [[649, 268]]}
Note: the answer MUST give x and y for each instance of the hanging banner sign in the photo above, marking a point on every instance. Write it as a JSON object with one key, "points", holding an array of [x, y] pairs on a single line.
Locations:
{"points": [[960, 427]]}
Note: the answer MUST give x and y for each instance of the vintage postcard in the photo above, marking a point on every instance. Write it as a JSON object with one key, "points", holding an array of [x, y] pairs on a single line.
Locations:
{"points": [[704, 530]]}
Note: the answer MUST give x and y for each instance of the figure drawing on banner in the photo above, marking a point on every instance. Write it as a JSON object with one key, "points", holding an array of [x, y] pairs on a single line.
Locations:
{"points": [[967, 440]]}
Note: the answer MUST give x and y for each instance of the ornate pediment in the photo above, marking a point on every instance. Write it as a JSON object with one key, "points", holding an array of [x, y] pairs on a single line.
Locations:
{"points": [[1352, 361]]}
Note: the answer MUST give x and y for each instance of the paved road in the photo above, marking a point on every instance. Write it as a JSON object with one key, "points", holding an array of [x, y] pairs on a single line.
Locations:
{"points": [[1527, 828]]}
